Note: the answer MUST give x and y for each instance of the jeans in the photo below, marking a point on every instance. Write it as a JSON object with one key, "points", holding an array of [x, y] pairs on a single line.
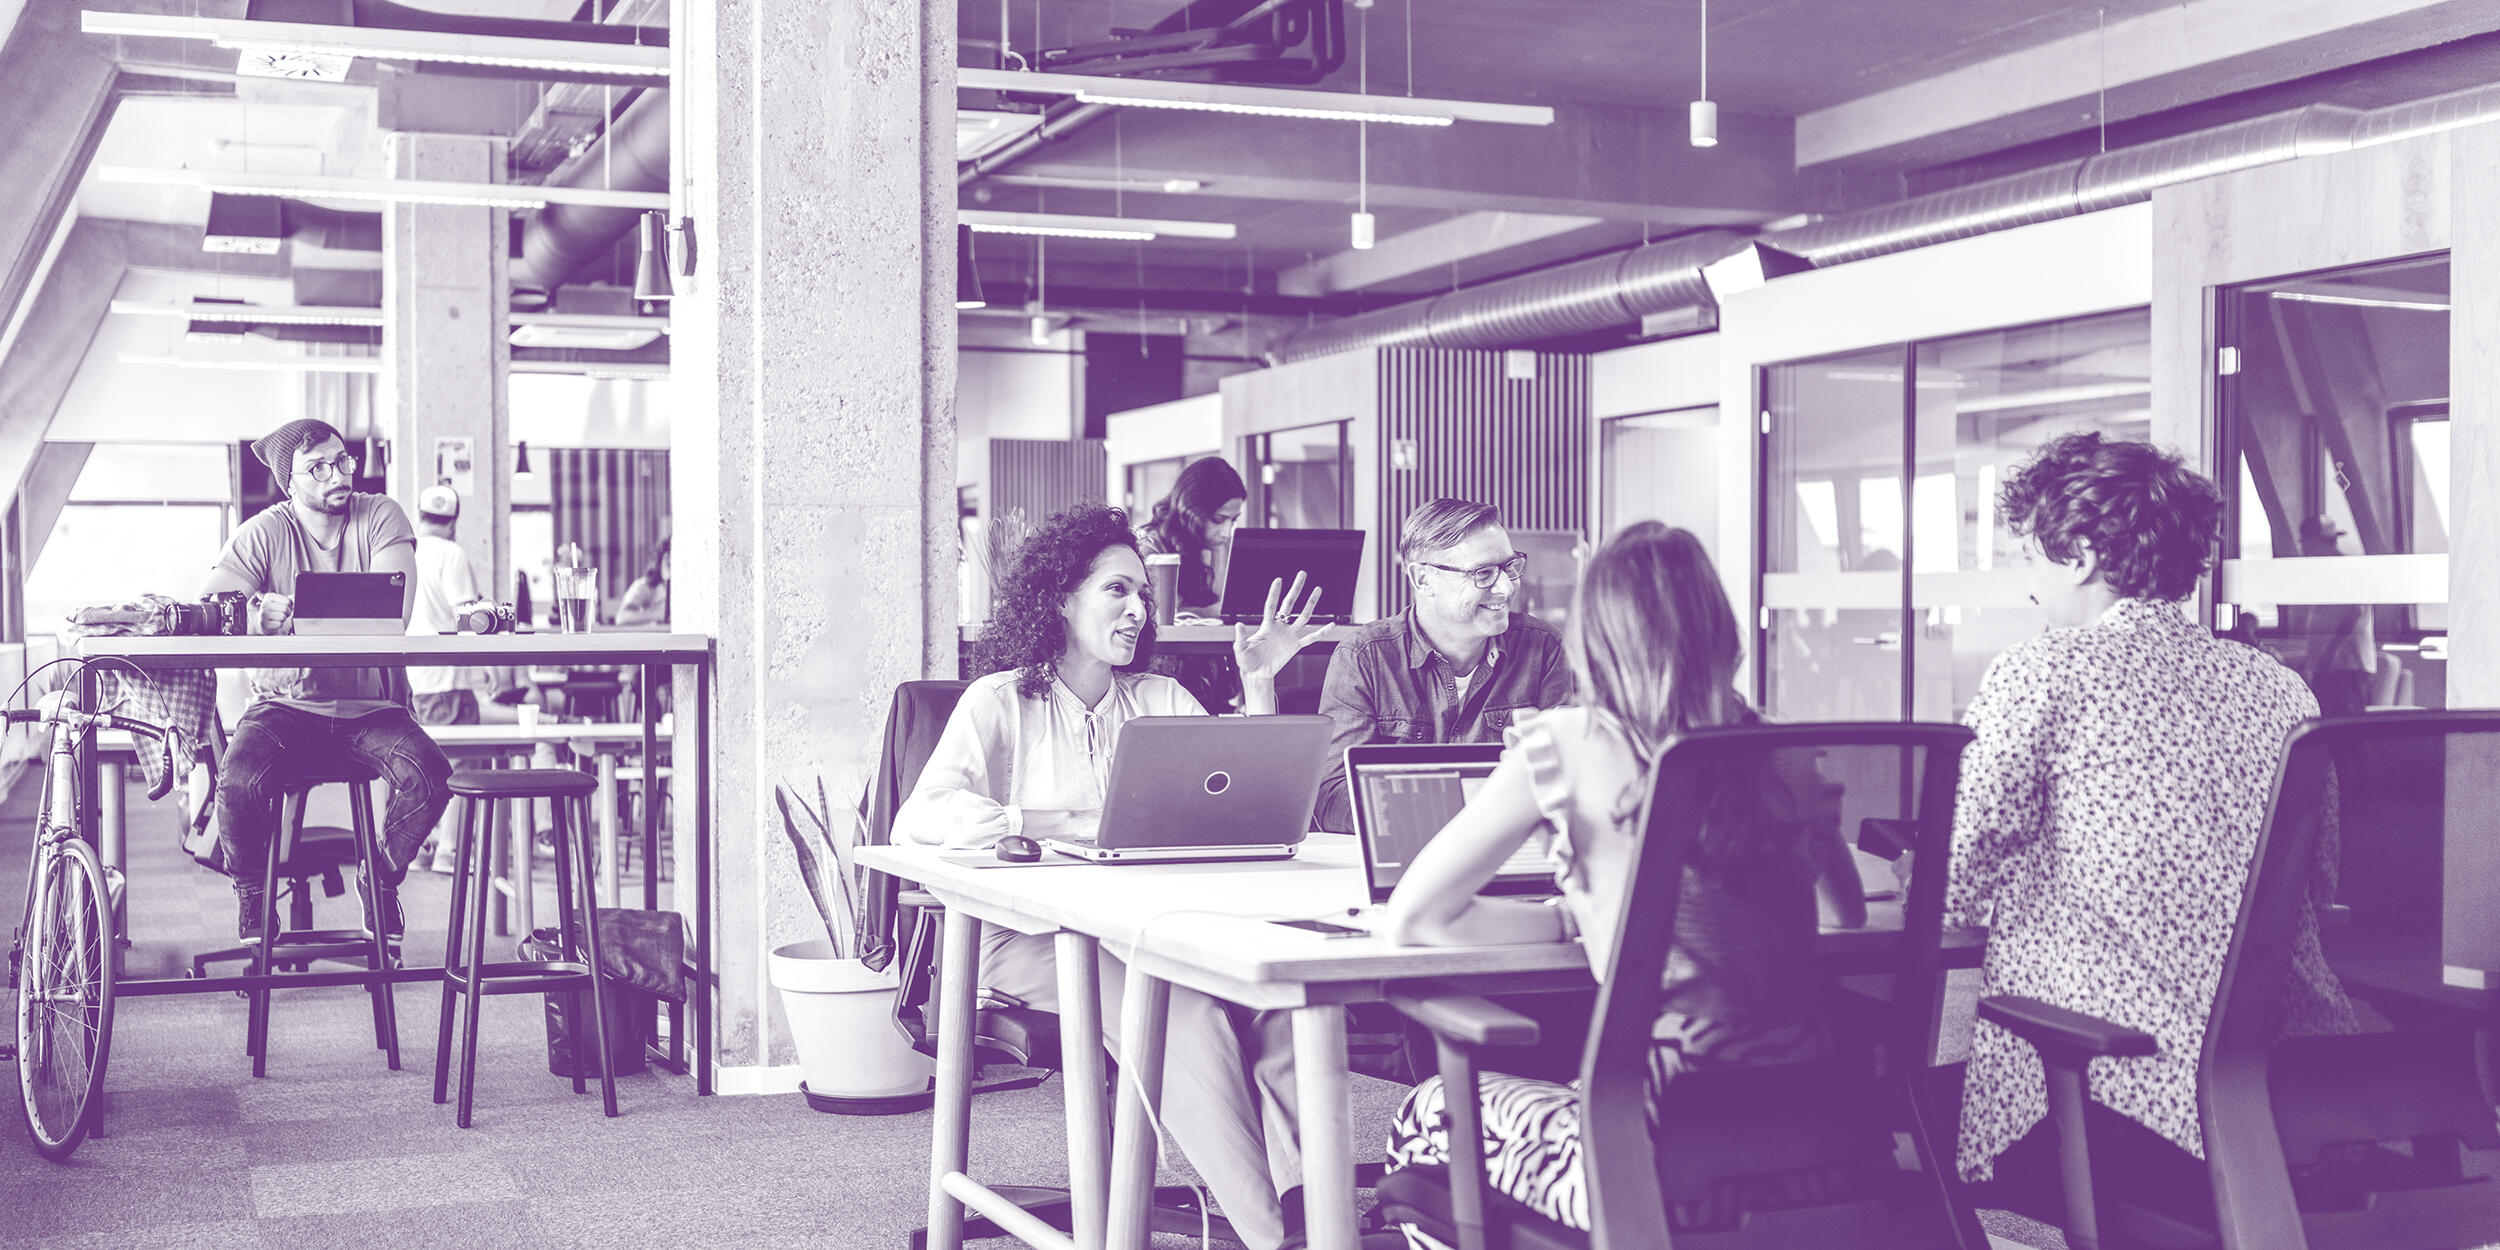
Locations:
{"points": [[274, 743]]}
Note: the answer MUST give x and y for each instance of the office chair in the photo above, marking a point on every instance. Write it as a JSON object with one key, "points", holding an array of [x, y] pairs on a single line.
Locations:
{"points": [[2298, 1129], [1698, 1182], [1003, 1032]]}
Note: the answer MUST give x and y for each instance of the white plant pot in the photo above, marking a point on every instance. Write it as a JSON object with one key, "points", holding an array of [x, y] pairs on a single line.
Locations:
{"points": [[842, 1022]]}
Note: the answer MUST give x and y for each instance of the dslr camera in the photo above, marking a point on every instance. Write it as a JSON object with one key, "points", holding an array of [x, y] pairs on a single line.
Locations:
{"points": [[485, 617], [224, 613]]}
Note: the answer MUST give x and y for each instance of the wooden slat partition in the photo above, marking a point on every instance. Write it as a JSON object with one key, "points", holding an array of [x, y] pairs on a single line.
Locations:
{"points": [[1032, 478], [1474, 432]]}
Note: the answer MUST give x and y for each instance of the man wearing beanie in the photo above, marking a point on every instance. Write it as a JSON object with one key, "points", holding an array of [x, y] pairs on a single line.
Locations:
{"points": [[306, 718]]}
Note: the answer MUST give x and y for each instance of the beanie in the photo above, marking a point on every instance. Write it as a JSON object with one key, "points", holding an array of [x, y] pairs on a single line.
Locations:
{"points": [[278, 447]]}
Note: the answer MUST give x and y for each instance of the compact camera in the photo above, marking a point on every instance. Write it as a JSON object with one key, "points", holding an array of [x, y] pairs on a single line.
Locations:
{"points": [[221, 613], [485, 617]]}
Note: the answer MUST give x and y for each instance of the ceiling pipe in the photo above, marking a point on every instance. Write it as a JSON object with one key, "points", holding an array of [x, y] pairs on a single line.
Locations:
{"points": [[1054, 127], [1616, 292], [562, 239], [385, 15]]}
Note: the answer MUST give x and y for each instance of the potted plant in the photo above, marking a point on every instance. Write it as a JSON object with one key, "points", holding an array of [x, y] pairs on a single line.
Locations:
{"points": [[856, 1057]]}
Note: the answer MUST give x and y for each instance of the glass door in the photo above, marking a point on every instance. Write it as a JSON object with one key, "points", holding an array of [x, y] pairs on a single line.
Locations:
{"points": [[1303, 478], [2333, 405], [1832, 517]]}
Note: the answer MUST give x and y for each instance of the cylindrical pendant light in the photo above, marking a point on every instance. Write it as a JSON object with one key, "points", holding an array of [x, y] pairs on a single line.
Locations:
{"points": [[651, 284], [521, 461], [1705, 112]]}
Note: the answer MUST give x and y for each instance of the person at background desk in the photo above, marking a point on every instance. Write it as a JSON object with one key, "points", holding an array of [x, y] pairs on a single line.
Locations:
{"points": [[1195, 523], [440, 695], [1457, 666], [1028, 752], [2110, 801], [1654, 647], [646, 601], [303, 716]]}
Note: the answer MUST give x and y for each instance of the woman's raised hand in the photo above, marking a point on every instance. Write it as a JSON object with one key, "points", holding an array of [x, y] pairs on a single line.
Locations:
{"points": [[1283, 631]]}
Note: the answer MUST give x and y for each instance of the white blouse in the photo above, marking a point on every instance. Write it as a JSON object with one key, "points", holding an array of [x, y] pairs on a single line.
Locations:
{"points": [[1002, 753]]}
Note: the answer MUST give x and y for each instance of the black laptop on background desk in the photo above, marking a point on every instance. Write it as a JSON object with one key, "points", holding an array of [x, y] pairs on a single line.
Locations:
{"points": [[1330, 559]]}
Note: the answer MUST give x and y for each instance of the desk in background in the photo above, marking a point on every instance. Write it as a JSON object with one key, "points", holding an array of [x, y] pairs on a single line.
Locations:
{"points": [[652, 654]]}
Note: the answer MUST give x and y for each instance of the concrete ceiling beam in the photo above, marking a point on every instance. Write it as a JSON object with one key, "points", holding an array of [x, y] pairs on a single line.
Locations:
{"points": [[1617, 163], [2164, 59], [1434, 247], [56, 90]]}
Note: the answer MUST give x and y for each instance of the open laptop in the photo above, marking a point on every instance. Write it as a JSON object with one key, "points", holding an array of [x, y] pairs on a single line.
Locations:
{"points": [[1403, 795], [1262, 557], [1204, 788], [350, 603]]}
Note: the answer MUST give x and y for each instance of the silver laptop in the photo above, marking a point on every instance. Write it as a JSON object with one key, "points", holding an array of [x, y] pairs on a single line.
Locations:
{"points": [[1404, 795], [350, 603], [1203, 788]]}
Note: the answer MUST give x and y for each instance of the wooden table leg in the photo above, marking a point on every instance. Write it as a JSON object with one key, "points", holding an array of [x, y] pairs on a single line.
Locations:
{"points": [[950, 1136], [611, 877], [1149, 1002], [523, 843], [1319, 1064], [1082, 1076], [113, 846]]}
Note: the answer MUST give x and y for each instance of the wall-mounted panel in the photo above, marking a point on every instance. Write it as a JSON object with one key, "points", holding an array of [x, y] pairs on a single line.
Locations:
{"points": [[1508, 429]]}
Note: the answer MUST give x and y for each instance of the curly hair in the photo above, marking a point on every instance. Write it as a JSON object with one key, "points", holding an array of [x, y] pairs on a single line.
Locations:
{"points": [[1026, 632], [2153, 522]]}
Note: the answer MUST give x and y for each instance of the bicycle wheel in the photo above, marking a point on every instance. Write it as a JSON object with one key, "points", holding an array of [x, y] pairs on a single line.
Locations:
{"points": [[65, 999]]}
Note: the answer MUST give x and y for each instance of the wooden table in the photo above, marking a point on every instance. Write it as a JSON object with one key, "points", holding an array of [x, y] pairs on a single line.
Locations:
{"points": [[1200, 638], [1203, 926], [652, 655]]}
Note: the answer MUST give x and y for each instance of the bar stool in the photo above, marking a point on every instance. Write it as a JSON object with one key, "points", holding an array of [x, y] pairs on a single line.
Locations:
{"points": [[466, 972], [291, 857]]}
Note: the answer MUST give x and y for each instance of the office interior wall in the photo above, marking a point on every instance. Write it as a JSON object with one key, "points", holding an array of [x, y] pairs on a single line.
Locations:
{"points": [[1673, 385], [2073, 267], [1184, 427], [1341, 388]]}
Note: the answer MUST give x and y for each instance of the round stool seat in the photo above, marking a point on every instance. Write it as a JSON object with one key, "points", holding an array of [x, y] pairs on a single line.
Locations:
{"points": [[342, 773], [522, 783]]}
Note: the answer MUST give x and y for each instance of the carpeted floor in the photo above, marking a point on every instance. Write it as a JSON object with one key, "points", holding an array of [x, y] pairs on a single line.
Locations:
{"points": [[333, 1149]]}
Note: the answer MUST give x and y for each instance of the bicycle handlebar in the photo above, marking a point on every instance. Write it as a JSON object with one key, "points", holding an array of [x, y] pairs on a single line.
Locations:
{"points": [[106, 720]]}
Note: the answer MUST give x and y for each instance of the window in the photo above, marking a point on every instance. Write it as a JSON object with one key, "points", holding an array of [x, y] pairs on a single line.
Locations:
{"points": [[142, 518], [1660, 466], [1302, 478], [2333, 409], [1888, 581]]}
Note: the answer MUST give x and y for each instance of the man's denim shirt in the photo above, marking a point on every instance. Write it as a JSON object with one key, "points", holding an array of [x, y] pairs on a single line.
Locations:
{"points": [[1386, 684]]}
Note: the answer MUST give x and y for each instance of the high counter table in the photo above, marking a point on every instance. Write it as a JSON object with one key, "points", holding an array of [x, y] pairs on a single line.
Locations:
{"points": [[648, 653]]}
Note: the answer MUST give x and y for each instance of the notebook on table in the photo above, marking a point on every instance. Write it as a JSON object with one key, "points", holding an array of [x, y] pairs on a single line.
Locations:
{"points": [[1207, 788]]}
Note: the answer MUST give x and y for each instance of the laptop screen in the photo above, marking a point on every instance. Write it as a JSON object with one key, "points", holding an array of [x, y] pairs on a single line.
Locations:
{"points": [[1403, 796]]}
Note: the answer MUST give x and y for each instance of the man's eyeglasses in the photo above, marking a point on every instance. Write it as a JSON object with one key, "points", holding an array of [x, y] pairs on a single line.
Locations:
{"points": [[341, 469], [1482, 576]]}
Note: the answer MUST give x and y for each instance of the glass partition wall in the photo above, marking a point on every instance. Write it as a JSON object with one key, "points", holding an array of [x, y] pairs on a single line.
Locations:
{"points": [[1887, 581], [2333, 411]]}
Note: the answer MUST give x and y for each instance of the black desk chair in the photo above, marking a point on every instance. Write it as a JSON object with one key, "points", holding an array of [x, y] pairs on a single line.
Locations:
{"points": [[1002, 1032], [2297, 1130], [1696, 1183]]}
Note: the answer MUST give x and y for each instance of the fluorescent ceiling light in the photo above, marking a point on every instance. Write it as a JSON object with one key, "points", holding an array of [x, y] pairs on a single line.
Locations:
{"points": [[373, 364], [1073, 226], [381, 190], [2362, 301], [978, 132], [1262, 101], [2053, 395], [584, 338], [325, 315], [317, 40]]}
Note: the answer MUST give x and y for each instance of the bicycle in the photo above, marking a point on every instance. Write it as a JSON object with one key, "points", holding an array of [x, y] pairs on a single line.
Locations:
{"points": [[61, 958]]}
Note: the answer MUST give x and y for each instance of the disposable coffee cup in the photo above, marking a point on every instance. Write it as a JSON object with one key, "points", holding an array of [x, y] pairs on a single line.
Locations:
{"points": [[1163, 580]]}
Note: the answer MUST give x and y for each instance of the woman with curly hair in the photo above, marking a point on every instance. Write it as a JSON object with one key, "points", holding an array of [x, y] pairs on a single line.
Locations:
{"points": [[1028, 751], [2109, 803]]}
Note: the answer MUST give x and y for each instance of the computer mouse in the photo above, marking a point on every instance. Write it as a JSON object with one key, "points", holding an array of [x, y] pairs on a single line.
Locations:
{"points": [[1016, 848]]}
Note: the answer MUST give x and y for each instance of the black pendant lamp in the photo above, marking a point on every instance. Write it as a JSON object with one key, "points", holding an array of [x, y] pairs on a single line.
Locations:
{"points": [[651, 283], [967, 275], [521, 461]]}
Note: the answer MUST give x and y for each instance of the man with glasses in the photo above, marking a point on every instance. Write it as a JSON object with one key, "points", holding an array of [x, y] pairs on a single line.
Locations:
{"points": [[300, 718], [1457, 666]]}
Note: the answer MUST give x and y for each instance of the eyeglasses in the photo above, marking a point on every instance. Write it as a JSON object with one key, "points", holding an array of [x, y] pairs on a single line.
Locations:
{"points": [[342, 468], [1482, 576]]}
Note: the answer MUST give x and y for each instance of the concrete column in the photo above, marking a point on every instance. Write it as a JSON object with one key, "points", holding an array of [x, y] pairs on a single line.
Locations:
{"points": [[812, 469], [446, 300]]}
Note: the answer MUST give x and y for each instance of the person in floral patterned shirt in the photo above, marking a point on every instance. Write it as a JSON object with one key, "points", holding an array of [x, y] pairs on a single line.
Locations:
{"points": [[2108, 810]]}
